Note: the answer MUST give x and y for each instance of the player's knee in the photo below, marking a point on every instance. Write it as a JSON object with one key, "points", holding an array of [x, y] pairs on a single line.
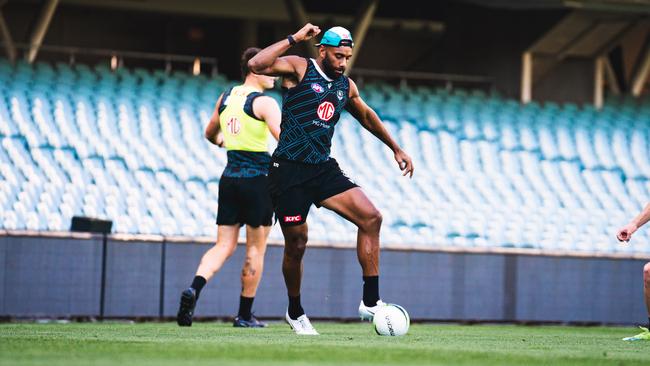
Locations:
{"points": [[295, 252], [231, 250], [377, 218], [295, 245], [373, 221], [298, 239], [254, 253], [227, 248]]}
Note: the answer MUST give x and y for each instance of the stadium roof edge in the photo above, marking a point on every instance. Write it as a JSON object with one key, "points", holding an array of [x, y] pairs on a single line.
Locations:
{"points": [[265, 10]]}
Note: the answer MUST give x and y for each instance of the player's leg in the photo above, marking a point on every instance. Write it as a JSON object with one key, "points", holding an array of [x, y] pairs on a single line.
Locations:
{"points": [[291, 203], [211, 262], [292, 209], [256, 239], [228, 224], [215, 257], [257, 213], [645, 334], [229, 221], [354, 205], [295, 244]]}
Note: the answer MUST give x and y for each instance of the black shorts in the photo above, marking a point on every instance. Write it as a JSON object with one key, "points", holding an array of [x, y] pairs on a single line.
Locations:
{"points": [[244, 201], [295, 186]]}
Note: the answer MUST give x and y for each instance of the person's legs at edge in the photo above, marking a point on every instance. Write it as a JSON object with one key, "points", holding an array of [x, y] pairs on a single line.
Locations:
{"points": [[646, 289], [645, 333]]}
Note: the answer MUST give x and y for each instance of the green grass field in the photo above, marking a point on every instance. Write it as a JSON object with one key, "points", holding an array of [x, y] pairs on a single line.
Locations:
{"points": [[339, 344]]}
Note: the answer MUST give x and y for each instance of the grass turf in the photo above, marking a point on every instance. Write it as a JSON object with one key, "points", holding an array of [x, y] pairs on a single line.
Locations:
{"points": [[339, 344]]}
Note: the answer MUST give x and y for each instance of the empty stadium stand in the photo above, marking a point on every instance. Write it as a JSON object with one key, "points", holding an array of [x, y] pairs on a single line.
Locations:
{"points": [[128, 146]]}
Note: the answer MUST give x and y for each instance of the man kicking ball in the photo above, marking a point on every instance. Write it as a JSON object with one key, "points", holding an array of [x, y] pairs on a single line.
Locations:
{"points": [[302, 172]]}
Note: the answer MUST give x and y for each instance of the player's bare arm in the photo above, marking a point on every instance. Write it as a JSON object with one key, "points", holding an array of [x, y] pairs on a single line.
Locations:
{"points": [[269, 61], [371, 122], [625, 233], [267, 110], [213, 129]]}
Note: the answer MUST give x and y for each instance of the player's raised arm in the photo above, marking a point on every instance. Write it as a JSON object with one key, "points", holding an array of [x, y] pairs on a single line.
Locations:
{"points": [[625, 233], [371, 122], [268, 60], [267, 109], [213, 129]]}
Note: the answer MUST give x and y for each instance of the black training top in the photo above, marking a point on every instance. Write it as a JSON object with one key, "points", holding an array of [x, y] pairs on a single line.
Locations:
{"points": [[310, 110]]}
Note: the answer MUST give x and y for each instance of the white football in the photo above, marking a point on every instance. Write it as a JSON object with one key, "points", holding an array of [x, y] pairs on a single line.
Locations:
{"points": [[391, 320]]}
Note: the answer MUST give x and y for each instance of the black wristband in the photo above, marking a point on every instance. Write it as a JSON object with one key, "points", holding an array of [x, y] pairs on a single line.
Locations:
{"points": [[291, 40]]}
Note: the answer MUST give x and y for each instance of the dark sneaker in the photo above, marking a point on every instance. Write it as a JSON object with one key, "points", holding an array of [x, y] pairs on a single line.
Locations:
{"points": [[253, 323], [186, 310]]}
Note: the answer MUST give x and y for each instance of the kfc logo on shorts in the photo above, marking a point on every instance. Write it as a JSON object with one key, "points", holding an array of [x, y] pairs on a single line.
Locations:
{"points": [[325, 111], [296, 218], [317, 88], [233, 126]]}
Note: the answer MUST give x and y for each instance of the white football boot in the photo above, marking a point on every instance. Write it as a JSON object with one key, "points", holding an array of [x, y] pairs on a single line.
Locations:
{"points": [[368, 312], [301, 326]]}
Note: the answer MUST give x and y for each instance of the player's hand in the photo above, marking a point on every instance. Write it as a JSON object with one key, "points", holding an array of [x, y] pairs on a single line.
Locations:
{"points": [[219, 139], [405, 163], [307, 32], [625, 233]]}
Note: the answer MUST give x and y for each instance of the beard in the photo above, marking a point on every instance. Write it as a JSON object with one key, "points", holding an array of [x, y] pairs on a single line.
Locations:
{"points": [[329, 69]]}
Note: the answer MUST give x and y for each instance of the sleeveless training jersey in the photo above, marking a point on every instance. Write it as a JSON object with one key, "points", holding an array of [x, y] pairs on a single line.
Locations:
{"points": [[310, 110], [245, 136]]}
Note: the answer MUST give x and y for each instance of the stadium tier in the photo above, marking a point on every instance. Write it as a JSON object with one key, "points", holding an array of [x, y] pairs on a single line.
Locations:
{"points": [[128, 146]]}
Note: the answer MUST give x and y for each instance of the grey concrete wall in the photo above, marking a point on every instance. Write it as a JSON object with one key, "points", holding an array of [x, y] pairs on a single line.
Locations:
{"points": [[443, 285], [49, 276], [61, 277], [132, 279], [588, 290]]}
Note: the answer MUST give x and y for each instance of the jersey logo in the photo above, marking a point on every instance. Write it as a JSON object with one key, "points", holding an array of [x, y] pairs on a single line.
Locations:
{"points": [[296, 218], [339, 94], [325, 111], [317, 88], [234, 127]]}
